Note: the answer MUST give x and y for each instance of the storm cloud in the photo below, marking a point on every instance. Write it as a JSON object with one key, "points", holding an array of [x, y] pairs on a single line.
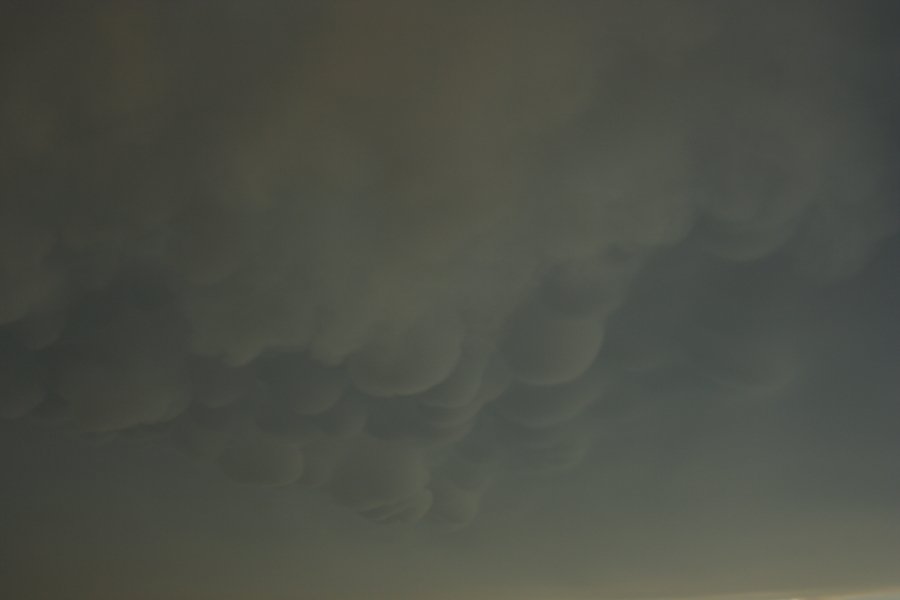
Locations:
{"points": [[475, 278]]}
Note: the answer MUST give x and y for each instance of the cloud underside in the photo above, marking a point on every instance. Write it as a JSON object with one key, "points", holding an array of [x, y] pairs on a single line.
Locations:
{"points": [[523, 273]]}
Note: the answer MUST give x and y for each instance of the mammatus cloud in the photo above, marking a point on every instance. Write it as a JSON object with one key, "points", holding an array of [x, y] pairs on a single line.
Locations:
{"points": [[412, 257]]}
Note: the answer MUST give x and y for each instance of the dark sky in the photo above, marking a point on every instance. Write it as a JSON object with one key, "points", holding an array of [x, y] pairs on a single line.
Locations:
{"points": [[426, 300]]}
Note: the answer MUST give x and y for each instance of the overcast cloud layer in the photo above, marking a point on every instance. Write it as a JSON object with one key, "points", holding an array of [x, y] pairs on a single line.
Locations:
{"points": [[403, 299]]}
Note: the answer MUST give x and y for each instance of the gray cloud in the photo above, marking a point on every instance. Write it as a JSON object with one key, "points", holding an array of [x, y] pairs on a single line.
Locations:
{"points": [[417, 261]]}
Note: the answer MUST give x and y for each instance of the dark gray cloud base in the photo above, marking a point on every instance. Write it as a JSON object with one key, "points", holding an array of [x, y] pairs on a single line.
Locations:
{"points": [[419, 258]]}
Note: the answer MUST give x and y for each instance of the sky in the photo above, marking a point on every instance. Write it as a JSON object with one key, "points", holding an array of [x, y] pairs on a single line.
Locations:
{"points": [[432, 300]]}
